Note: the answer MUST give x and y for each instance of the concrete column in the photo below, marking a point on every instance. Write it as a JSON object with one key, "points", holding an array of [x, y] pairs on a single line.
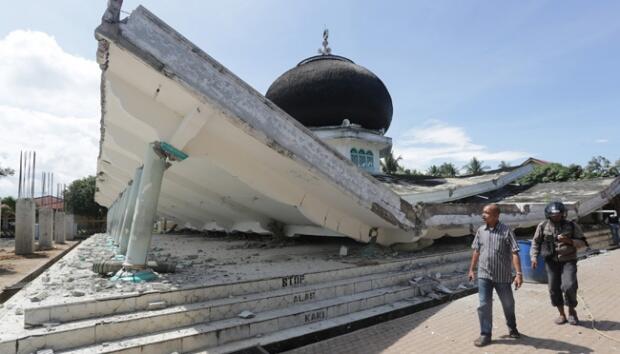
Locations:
{"points": [[59, 226], [24, 226], [46, 228], [119, 216], [145, 209], [108, 217], [69, 235], [129, 211]]}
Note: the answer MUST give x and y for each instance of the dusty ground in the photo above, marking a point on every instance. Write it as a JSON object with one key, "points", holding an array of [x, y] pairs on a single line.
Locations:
{"points": [[14, 268]]}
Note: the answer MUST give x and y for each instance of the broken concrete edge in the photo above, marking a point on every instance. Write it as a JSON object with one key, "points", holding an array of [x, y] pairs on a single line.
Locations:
{"points": [[31, 311], [114, 32], [297, 342], [11, 290]]}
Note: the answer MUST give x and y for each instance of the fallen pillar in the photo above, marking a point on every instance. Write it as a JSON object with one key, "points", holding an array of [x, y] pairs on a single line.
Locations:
{"points": [[129, 211], [146, 207], [24, 226]]}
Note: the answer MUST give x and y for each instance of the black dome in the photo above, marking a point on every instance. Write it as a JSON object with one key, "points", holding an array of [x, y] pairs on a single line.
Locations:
{"points": [[325, 89]]}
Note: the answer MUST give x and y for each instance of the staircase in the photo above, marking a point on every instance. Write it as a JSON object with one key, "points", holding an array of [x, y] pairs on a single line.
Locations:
{"points": [[206, 319]]}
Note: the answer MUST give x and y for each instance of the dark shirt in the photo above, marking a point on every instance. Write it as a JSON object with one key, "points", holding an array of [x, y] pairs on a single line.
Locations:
{"points": [[548, 229], [613, 219], [496, 245]]}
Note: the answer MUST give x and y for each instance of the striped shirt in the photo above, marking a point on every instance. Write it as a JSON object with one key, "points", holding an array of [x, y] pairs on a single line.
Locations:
{"points": [[496, 245]]}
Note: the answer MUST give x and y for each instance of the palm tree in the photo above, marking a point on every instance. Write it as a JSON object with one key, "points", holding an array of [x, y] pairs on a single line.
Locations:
{"points": [[447, 169], [503, 164], [433, 170], [389, 164], [475, 167]]}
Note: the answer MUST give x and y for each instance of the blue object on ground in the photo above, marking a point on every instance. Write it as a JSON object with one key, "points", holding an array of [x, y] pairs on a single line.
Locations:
{"points": [[538, 275], [137, 277]]}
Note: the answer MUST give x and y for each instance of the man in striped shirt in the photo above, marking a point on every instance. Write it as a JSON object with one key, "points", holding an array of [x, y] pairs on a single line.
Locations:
{"points": [[495, 250]]}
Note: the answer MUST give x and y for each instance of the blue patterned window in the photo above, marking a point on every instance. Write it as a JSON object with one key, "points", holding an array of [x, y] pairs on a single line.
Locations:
{"points": [[363, 159], [355, 157]]}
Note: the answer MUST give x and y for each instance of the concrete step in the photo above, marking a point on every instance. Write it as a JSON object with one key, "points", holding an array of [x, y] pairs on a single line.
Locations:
{"points": [[126, 325], [313, 328], [218, 333], [129, 303]]}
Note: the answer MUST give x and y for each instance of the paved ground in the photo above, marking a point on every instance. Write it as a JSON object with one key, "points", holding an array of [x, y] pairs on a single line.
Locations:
{"points": [[452, 327]]}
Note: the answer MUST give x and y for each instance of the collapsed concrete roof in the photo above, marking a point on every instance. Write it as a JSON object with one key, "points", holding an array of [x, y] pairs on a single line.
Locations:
{"points": [[250, 166], [521, 206]]}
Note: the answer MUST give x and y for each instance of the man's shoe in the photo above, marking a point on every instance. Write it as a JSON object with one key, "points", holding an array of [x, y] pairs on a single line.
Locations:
{"points": [[560, 320], [514, 333], [482, 341], [573, 320]]}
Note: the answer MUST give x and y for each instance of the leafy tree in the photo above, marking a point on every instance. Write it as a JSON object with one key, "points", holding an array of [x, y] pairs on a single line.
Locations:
{"points": [[80, 198], [390, 165], [10, 202], [6, 171], [448, 169], [433, 170], [599, 166], [413, 172], [503, 164], [575, 172], [475, 167]]}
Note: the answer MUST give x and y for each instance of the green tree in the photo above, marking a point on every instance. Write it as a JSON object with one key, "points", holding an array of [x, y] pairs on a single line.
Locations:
{"points": [[6, 171], [475, 167], [80, 198], [390, 165], [503, 164], [433, 170], [599, 166], [448, 169], [10, 202], [551, 172]]}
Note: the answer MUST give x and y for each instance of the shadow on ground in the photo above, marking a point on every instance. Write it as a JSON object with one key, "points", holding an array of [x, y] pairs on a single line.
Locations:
{"points": [[543, 343]]}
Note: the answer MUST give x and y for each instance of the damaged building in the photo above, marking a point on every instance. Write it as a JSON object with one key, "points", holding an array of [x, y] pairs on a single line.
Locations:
{"points": [[183, 138]]}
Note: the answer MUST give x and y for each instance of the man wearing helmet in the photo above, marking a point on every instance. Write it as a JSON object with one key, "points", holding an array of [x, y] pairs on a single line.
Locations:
{"points": [[557, 240]]}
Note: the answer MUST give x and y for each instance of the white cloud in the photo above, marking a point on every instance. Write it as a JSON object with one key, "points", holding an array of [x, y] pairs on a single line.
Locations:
{"points": [[436, 142], [601, 141], [49, 102]]}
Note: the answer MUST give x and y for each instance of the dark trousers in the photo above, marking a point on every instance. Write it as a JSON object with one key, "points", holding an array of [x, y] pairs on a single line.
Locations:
{"points": [[562, 281], [485, 310]]}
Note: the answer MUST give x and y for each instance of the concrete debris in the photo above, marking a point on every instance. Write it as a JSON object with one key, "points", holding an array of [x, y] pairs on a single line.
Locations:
{"points": [[38, 297], [45, 351], [462, 286], [444, 289], [247, 314], [434, 295], [344, 251], [437, 275], [19, 311], [77, 293]]}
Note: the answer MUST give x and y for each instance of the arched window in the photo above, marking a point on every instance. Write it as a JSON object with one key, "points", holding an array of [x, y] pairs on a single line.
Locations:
{"points": [[370, 161], [355, 157], [363, 159]]}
